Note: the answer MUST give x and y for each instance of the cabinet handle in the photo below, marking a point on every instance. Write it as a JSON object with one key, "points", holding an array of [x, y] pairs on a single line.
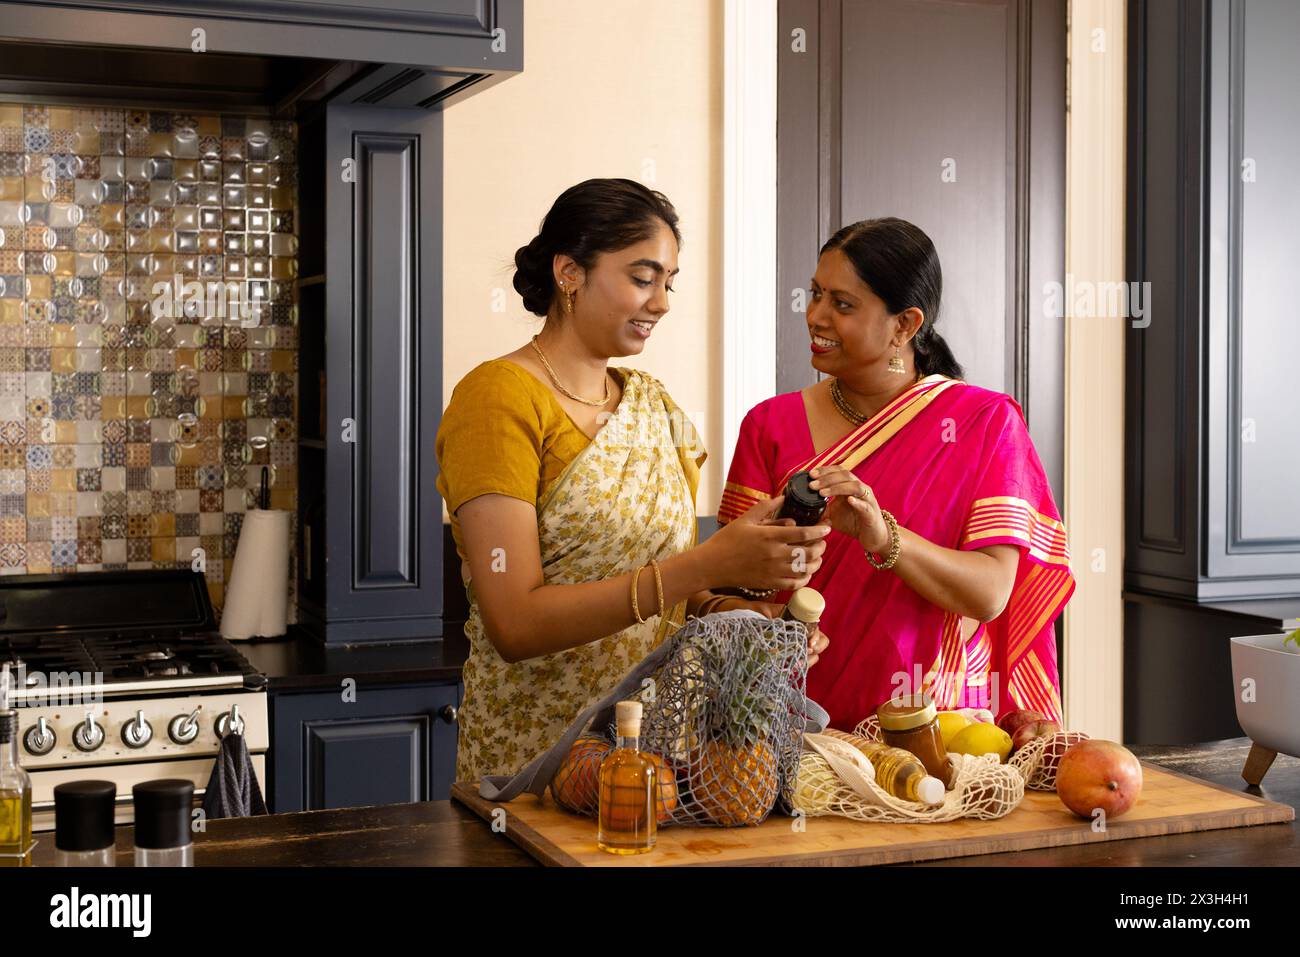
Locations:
{"points": [[448, 713]]}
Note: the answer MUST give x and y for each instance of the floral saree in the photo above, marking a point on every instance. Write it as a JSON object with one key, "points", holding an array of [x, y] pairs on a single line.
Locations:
{"points": [[625, 499], [953, 463]]}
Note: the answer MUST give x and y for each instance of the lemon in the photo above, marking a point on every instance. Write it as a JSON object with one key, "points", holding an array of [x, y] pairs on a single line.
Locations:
{"points": [[950, 722], [980, 738]]}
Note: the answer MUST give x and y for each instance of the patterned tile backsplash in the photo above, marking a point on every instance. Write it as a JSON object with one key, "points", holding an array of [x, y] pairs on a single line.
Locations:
{"points": [[148, 335]]}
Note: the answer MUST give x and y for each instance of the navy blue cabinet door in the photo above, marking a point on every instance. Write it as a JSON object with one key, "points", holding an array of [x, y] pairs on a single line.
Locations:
{"points": [[389, 746], [383, 355]]}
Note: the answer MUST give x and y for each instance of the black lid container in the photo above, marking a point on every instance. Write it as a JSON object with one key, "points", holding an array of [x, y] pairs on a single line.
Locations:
{"points": [[83, 815], [162, 813], [803, 504]]}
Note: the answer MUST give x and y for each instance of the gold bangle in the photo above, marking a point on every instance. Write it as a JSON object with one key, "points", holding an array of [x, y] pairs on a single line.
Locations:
{"points": [[636, 611], [895, 544], [659, 586]]}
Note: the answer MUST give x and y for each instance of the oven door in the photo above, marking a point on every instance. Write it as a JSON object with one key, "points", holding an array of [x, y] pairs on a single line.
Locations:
{"points": [[191, 759], [126, 776]]}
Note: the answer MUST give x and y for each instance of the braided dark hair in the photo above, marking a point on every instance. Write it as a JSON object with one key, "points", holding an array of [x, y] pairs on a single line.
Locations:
{"points": [[899, 262], [594, 217]]}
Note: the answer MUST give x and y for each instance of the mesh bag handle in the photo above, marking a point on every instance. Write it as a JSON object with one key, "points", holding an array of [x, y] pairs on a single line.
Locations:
{"points": [[537, 774]]}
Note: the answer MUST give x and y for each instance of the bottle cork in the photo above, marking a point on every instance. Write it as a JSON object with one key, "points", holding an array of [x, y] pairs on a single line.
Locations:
{"points": [[805, 605], [627, 717]]}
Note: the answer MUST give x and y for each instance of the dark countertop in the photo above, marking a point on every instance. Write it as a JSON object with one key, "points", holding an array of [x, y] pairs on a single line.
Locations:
{"points": [[301, 662], [442, 833], [1266, 614]]}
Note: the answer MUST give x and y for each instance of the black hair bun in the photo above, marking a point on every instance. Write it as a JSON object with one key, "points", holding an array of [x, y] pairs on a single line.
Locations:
{"points": [[533, 279]]}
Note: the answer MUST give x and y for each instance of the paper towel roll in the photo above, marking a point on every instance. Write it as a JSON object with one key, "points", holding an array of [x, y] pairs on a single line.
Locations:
{"points": [[257, 597]]}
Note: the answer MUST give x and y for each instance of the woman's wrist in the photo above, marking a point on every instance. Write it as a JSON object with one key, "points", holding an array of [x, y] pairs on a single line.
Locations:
{"points": [[884, 555], [689, 571], [705, 568]]}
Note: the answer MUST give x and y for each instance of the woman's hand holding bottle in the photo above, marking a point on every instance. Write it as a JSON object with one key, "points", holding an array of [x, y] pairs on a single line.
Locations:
{"points": [[756, 551]]}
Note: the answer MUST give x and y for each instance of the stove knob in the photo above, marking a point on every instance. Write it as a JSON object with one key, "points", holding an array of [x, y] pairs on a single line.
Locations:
{"points": [[39, 738], [88, 735], [184, 728], [230, 721], [137, 733]]}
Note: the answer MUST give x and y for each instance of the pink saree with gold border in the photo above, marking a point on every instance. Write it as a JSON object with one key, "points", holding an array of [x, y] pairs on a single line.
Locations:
{"points": [[954, 463]]}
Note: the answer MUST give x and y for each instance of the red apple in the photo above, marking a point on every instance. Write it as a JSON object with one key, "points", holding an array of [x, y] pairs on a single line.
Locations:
{"points": [[1056, 748], [1099, 774], [1012, 720], [1030, 730]]}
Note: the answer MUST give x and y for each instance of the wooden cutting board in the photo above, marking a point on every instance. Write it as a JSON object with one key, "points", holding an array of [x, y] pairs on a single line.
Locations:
{"points": [[1171, 803]]}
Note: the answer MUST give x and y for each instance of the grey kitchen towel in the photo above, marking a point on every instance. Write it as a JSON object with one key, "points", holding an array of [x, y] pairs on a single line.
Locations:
{"points": [[233, 790]]}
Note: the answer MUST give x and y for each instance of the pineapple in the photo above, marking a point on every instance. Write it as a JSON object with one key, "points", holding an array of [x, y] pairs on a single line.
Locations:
{"points": [[734, 771]]}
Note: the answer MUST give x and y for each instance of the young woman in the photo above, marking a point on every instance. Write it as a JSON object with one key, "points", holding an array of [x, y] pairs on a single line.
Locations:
{"points": [[947, 563], [571, 487]]}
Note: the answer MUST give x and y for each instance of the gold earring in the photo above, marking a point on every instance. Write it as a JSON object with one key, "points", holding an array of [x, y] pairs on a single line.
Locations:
{"points": [[896, 363]]}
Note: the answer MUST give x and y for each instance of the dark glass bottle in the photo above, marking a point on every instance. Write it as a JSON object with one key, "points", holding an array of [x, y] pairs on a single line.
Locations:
{"points": [[803, 504]]}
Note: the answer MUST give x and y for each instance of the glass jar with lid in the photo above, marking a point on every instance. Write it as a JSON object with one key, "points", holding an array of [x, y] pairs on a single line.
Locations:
{"points": [[911, 722]]}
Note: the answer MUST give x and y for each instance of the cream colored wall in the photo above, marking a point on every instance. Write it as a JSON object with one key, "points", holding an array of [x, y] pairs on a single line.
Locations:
{"points": [[1094, 427], [609, 88]]}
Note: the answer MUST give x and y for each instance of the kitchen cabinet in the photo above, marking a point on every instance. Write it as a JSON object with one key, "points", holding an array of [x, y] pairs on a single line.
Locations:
{"points": [[1214, 443], [1212, 521], [370, 323], [384, 745], [404, 52]]}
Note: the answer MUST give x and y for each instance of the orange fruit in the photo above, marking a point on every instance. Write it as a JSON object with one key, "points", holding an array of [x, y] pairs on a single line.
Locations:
{"points": [[575, 786]]}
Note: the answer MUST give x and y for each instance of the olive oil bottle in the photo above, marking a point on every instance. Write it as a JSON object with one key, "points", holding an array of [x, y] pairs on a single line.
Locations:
{"points": [[628, 781], [15, 790]]}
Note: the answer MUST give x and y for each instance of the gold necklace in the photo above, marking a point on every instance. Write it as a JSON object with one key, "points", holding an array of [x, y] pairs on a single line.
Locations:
{"points": [[842, 405], [555, 379]]}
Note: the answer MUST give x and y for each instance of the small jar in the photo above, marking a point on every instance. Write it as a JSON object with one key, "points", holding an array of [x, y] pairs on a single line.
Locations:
{"points": [[806, 605], [803, 504], [911, 722], [162, 823], [83, 824]]}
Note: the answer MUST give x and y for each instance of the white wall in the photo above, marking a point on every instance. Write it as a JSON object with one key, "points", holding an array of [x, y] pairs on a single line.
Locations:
{"points": [[609, 88], [1094, 428]]}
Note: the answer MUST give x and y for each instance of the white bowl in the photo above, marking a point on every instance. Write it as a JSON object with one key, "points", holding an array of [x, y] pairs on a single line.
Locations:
{"points": [[1272, 719]]}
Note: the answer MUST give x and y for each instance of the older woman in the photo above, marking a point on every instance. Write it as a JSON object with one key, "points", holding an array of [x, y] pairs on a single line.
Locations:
{"points": [[947, 563]]}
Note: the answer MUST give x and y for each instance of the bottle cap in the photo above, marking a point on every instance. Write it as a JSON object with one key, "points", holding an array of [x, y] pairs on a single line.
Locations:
{"points": [[627, 716], [83, 815], [806, 605], [930, 790], [162, 813], [798, 490], [906, 712]]}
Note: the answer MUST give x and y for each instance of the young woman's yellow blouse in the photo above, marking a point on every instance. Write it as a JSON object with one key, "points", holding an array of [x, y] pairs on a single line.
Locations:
{"points": [[505, 433]]}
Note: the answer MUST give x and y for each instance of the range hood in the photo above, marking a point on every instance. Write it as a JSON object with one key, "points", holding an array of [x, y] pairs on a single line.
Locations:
{"points": [[273, 56]]}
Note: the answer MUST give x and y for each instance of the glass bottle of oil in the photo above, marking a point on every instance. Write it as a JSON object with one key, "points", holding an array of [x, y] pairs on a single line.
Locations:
{"points": [[902, 774], [628, 780], [15, 798], [898, 771]]}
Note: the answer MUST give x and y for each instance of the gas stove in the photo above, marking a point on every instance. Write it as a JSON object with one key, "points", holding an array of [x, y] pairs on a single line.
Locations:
{"points": [[123, 676]]}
